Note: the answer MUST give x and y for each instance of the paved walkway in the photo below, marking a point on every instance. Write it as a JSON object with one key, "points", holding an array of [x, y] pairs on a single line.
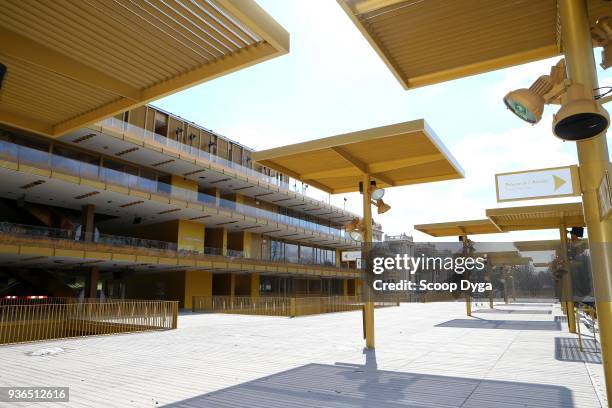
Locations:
{"points": [[428, 355]]}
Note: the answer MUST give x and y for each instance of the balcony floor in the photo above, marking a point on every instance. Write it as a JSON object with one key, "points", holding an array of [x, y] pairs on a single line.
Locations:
{"points": [[428, 355]]}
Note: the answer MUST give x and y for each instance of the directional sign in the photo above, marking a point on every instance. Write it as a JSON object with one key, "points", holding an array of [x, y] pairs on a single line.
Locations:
{"points": [[535, 184], [348, 256]]}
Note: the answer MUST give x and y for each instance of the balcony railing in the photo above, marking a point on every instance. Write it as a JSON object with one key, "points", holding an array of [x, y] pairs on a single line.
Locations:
{"points": [[123, 126], [31, 231], [56, 318], [44, 160], [282, 305]]}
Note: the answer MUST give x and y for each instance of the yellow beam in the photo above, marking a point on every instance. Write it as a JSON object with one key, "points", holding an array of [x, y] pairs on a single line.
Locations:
{"points": [[197, 76], [32, 52], [366, 6], [361, 166], [259, 22], [373, 168], [403, 163], [21, 122], [380, 50]]}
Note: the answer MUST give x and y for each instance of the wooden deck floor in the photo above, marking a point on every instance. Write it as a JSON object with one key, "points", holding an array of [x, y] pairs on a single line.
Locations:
{"points": [[428, 355]]}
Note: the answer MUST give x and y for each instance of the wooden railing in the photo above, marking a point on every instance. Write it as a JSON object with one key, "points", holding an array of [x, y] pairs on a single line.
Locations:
{"points": [[280, 305], [54, 318]]}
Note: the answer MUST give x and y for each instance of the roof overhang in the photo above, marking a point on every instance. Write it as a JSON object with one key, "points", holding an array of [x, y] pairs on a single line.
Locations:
{"points": [[551, 216], [427, 42], [394, 155], [70, 64], [456, 228], [534, 246]]}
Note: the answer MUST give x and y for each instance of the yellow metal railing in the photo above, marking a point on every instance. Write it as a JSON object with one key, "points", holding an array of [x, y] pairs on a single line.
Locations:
{"points": [[67, 317], [280, 305]]}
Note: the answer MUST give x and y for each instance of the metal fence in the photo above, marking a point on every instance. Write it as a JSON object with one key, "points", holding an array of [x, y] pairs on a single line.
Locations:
{"points": [[281, 305], [54, 318]]}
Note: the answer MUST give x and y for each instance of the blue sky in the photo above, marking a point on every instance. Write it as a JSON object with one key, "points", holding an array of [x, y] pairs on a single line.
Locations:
{"points": [[332, 82]]}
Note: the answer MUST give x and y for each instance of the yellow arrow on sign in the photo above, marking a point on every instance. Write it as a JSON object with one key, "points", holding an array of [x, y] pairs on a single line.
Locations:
{"points": [[559, 182]]}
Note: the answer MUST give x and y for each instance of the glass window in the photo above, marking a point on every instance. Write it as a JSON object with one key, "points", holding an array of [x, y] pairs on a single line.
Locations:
{"points": [[306, 254], [291, 253], [277, 252]]}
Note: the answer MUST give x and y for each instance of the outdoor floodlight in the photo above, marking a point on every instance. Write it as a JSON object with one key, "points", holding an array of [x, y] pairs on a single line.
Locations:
{"points": [[376, 193], [528, 104], [355, 229], [381, 206], [577, 231], [602, 34], [581, 117]]}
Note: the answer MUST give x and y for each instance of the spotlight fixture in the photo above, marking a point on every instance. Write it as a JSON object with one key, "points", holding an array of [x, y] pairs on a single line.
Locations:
{"points": [[602, 35], [355, 229], [376, 193], [381, 206], [581, 117], [528, 104], [577, 231]]}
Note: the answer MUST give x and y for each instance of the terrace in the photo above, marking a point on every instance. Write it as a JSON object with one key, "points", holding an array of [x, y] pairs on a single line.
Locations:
{"points": [[428, 355]]}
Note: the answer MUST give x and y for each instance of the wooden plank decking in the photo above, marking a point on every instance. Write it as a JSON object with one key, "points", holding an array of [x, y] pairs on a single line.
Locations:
{"points": [[428, 355]]}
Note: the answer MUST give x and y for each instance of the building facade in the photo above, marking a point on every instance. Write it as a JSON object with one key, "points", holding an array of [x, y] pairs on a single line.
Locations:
{"points": [[148, 205]]}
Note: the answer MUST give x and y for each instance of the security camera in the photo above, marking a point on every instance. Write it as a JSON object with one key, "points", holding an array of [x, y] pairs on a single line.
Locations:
{"points": [[581, 117]]}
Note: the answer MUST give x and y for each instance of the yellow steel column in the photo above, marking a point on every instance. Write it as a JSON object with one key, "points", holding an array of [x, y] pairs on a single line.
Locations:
{"points": [[490, 276], [367, 239], [345, 288], [593, 159], [566, 282], [505, 275], [468, 297], [232, 288], [254, 286]]}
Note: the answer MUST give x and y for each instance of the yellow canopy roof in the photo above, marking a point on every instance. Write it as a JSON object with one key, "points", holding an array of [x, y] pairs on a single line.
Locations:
{"points": [[541, 264], [536, 217], [532, 246], [456, 228], [504, 257], [395, 155], [426, 42], [70, 64]]}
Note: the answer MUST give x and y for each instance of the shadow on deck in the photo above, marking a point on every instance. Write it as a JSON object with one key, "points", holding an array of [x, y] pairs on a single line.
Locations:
{"points": [[568, 349], [513, 311], [348, 385], [501, 324]]}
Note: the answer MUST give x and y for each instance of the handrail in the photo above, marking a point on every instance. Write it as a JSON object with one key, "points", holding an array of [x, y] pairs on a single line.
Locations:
{"points": [[207, 156], [55, 319], [289, 306], [41, 159]]}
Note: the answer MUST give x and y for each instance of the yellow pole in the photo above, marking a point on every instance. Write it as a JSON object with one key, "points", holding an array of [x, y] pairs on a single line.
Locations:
{"points": [[505, 284], [593, 159], [566, 282], [367, 239], [468, 298]]}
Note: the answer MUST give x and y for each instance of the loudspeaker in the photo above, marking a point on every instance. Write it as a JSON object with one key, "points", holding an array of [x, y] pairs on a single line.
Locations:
{"points": [[577, 231]]}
